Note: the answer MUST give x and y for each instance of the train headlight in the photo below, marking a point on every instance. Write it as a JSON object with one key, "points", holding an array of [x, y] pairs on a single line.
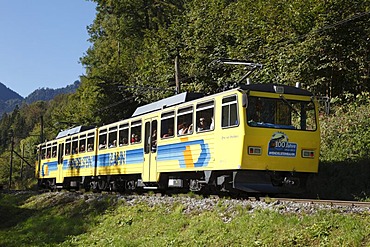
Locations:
{"points": [[254, 150], [279, 89], [308, 154]]}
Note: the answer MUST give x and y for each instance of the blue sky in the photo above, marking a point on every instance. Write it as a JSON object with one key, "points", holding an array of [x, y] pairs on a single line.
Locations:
{"points": [[41, 42]]}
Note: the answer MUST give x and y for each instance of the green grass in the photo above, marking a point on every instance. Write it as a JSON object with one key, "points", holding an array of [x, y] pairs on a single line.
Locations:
{"points": [[62, 220]]}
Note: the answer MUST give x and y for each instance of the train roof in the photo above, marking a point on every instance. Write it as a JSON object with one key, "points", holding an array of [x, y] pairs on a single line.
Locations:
{"points": [[186, 96], [167, 102], [271, 88], [72, 131]]}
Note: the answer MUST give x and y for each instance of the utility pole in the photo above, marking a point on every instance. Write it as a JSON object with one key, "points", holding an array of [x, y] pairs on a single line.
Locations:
{"points": [[11, 158], [42, 129], [22, 163], [177, 74]]}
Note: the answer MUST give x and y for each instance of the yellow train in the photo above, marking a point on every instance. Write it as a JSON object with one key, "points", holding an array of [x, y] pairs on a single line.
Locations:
{"points": [[254, 138]]}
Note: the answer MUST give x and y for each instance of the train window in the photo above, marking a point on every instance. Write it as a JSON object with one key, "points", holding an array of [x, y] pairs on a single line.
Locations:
{"points": [[82, 143], [123, 134], [112, 137], [185, 121], [40, 152], [308, 116], [75, 145], [43, 152], [90, 141], [103, 139], [68, 146], [135, 132], [54, 150], [147, 138], [167, 124], [150, 137], [60, 153], [262, 111], [229, 111], [281, 113], [153, 144], [204, 117], [48, 151]]}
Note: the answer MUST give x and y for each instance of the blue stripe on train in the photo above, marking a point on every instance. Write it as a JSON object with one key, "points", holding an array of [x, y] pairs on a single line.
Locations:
{"points": [[52, 166], [167, 152], [127, 157], [176, 151], [79, 162]]}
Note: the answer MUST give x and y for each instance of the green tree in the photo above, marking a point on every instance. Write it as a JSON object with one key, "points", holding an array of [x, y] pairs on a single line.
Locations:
{"points": [[332, 54], [135, 44]]}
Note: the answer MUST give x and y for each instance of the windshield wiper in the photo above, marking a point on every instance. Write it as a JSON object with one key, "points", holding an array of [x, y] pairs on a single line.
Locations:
{"points": [[290, 105]]}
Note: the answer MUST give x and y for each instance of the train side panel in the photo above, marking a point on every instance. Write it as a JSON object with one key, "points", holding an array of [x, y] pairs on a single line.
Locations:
{"points": [[48, 169], [120, 160], [77, 165], [229, 139], [77, 157], [215, 149], [188, 153]]}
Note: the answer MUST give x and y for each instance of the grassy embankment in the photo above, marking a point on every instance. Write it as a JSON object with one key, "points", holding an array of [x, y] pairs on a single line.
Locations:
{"points": [[60, 220]]}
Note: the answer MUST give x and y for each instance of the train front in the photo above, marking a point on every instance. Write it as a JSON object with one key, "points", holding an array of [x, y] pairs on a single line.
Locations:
{"points": [[282, 139]]}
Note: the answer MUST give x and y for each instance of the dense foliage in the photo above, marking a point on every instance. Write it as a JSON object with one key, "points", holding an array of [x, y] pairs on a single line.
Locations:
{"points": [[346, 132], [324, 45]]}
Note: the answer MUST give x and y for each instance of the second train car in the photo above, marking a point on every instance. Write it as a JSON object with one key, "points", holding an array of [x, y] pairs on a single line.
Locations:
{"points": [[262, 138]]}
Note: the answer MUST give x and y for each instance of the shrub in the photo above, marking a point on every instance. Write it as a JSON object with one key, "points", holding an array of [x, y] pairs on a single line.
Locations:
{"points": [[345, 134]]}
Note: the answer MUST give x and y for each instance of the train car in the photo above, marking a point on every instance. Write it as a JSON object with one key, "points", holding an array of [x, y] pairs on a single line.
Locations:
{"points": [[71, 155], [253, 138]]}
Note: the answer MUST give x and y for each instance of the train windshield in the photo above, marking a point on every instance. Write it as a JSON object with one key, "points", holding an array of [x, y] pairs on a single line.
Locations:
{"points": [[281, 113]]}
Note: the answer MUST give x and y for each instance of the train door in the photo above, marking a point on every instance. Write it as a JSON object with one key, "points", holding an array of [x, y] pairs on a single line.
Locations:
{"points": [[38, 167], [150, 150], [59, 178]]}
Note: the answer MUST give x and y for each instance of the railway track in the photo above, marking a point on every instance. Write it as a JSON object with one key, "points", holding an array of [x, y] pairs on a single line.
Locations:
{"points": [[321, 202], [364, 206]]}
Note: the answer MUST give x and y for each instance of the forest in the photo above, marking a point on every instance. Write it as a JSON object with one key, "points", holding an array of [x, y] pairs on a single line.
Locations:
{"points": [[323, 45]]}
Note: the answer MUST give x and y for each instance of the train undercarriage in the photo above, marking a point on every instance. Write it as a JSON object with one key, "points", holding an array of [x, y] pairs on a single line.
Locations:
{"points": [[238, 182]]}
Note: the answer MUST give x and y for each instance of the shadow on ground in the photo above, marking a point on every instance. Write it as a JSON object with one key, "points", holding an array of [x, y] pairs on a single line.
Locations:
{"points": [[45, 223], [341, 180]]}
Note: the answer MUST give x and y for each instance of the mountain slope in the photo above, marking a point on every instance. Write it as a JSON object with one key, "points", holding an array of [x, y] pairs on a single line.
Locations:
{"points": [[8, 94], [49, 93], [9, 99]]}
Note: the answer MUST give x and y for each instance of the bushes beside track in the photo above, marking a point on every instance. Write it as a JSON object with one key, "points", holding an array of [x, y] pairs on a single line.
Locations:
{"points": [[345, 133], [344, 171]]}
